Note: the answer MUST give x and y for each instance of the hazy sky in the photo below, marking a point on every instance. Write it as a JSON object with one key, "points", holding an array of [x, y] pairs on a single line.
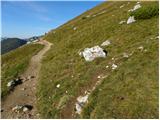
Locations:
{"points": [[29, 18]]}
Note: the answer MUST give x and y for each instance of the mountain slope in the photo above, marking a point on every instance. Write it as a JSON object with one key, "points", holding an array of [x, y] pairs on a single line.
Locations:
{"points": [[11, 44], [130, 91]]}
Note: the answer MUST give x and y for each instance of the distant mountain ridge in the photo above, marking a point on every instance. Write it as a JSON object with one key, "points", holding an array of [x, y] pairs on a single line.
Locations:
{"points": [[8, 44]]}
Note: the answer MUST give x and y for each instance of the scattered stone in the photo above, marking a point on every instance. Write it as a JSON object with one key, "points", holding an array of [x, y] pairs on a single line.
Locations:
{"points": [[138, 2], [121, 22], [17, 108], [72, 76], [114, 66], [131, 20], [25, 109], [107, 66], [91, 53], [23, 89], [30, 77], [80, 54], [58, 85], [122, 6], [125, 55], [112, 58], [157, 37], [81, 100], [106, 43], [11, 83], [101, 12], [137, 6], [140, 48], [75, 28], [99, 77]]}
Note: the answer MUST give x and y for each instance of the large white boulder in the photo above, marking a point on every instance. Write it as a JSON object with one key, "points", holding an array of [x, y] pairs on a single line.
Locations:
{"points": [[131, 20], [91, 53]]}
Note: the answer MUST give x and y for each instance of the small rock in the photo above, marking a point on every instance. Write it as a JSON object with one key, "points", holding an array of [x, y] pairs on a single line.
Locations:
{"points": [[157, 37], [30, 77], [112, 58], [81, 100], [122, 6], [78, 108], [125, 55], [107, 66], [58, 85], [25, 109], [11, 83], [138, 2], [114, 66], [74, 28], [121, 22], [131, 20], [23, 89], [99, 77], [66, 91], [137, 6], [72, 76], [80, 54], [17, 108], [106, 43], [140, 48]]}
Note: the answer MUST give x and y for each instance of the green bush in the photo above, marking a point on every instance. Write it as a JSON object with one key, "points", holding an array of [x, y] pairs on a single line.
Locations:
{"points": [[146, 12]]}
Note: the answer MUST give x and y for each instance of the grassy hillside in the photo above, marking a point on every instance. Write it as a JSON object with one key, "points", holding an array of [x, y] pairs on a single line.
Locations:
{"points": [[130, 91], [15, 62]]}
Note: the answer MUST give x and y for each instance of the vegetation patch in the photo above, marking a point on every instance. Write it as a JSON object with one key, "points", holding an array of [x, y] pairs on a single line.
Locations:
{"points": [[146, 12], [15, 63], [130, 91]]}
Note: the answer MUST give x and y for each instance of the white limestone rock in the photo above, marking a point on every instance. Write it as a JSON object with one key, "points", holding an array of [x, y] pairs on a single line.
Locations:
{"points": [[122, 22], [106, 43], [91, 53], [131, 20], [114, 66]]}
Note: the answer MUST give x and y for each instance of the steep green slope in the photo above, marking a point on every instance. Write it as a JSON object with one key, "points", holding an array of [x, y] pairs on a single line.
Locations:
{"points": [[130, 91], [15, 62]]}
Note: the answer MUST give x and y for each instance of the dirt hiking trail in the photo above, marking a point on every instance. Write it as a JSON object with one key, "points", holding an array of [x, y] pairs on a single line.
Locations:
{"points": [[25, 93]]}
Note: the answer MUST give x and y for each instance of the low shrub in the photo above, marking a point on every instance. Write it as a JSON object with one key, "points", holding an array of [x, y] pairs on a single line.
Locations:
{"points": [[146, 12]]}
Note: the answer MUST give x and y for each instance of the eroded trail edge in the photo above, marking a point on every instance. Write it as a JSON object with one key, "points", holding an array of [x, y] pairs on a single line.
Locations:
{"points": [[26, 92]]}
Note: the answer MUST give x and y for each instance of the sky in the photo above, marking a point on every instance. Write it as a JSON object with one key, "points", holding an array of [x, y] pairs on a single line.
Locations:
{"points": [[24, 19]]}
